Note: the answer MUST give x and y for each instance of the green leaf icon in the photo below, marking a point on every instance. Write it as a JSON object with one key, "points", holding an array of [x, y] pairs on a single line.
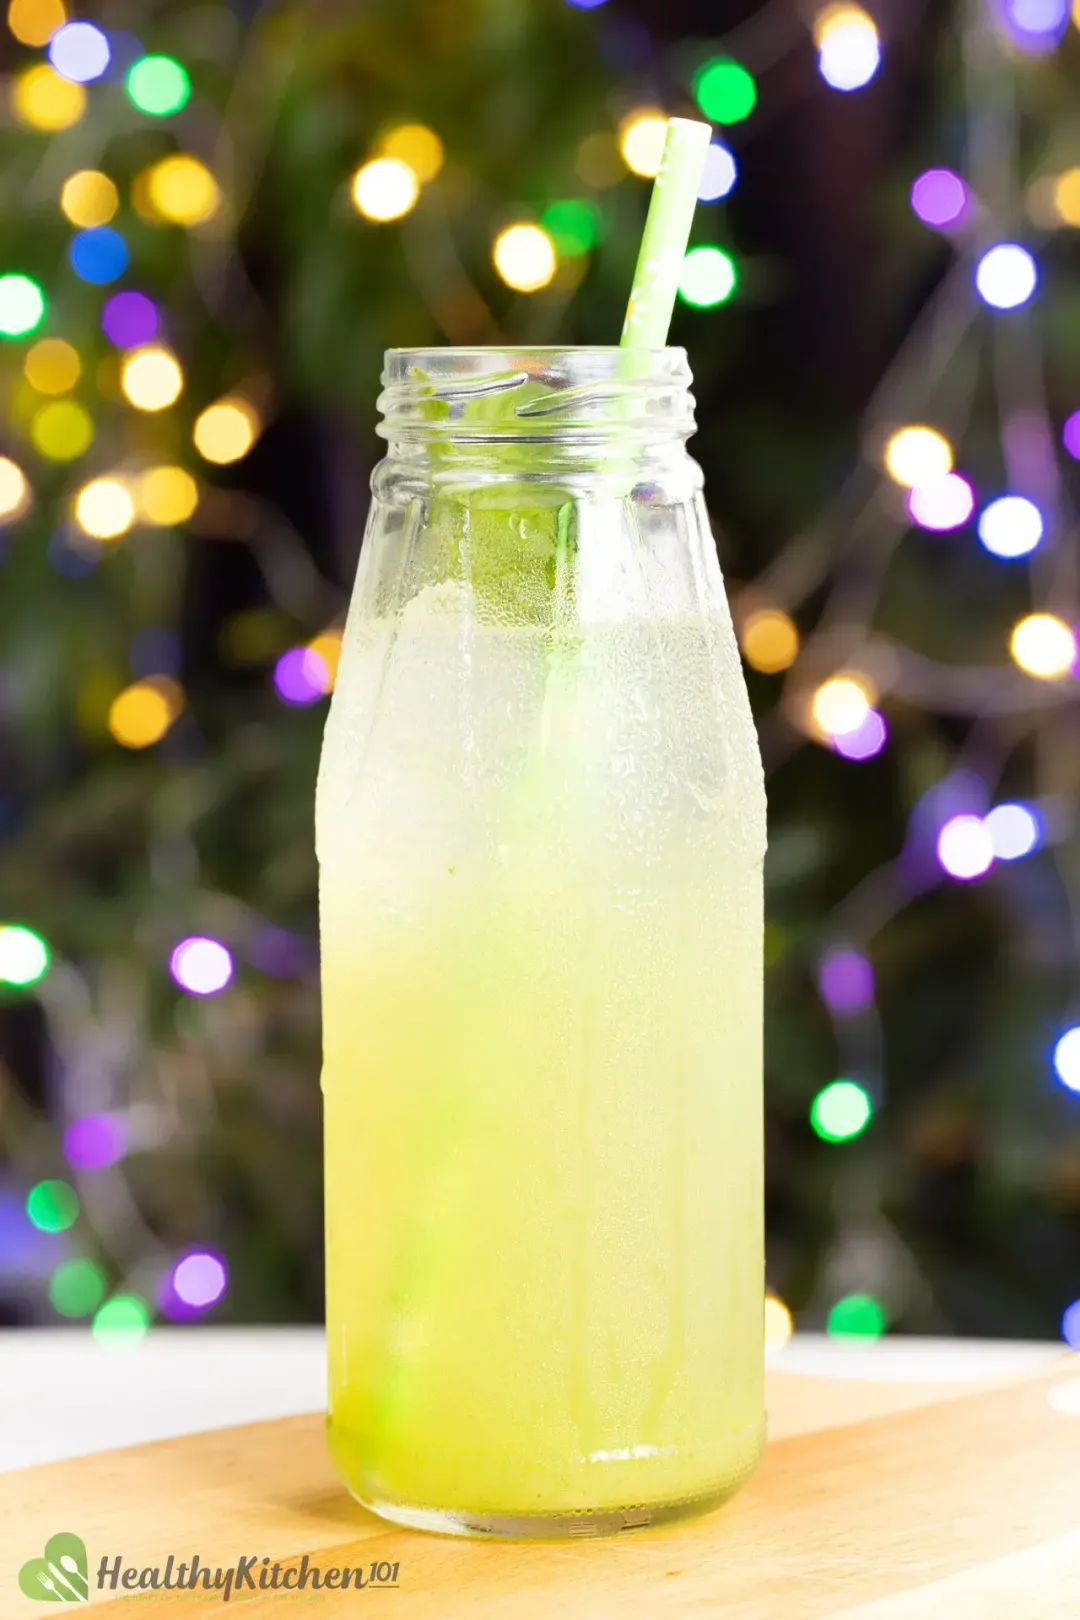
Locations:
{"points": [[60, 1575]]}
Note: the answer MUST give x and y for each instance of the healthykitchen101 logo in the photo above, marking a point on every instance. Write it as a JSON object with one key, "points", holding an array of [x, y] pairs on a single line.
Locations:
{"points": [[62, 1575]]}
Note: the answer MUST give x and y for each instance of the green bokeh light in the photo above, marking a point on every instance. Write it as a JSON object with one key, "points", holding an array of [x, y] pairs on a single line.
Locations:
{"points": [[76, 1287], [22, 305], [573, 224], [158, 85], [856, 1316], [725, 91], [52, 1206], [708, 278], [123, 1319], [24, 955], [841, 1111]]}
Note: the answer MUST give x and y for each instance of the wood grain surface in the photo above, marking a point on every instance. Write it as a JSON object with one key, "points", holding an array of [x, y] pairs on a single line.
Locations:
{"points": [[874, 1502]]}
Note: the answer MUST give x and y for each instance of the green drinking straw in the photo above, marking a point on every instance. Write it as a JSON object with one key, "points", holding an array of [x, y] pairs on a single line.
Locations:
{"points": [[667, 232]]}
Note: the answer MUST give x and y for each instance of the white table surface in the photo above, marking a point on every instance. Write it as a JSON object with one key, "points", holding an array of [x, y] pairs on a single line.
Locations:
{"points": [[62, 1394]]}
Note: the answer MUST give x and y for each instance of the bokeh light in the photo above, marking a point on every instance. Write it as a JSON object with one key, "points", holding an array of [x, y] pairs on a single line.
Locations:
{"points": [[840, 705], [52, 1206], [62, 431], [708, 278], [14, 491], [201, 966], [94, 1142], [846, 981], [525, 257], [89, 198], [724, 91], [385, 189], [1067, 1059], [965, 849], [142, 713], [867, 739], [182, 190], [34, 22], [642, 134], [1067, 197], [327, 648], [130, 320], [24, 955], [917, 455], [43, 100], [122, 1322], [76, 1288], [856, 1316], [573, 223], [1044, 646], [770, 641], [1006, 276], [301, 677], [841, 1111], [849, 47], [779, 1326], [1070, 1325], [1011, 526], [940, 198], [167, 496], [158, 85], [226, 430], [417, 146], [945, 504], [22, 305], [719, 174], [52, 366], [1015, 830], [79, 52], [99, 255], [151, 378], [104, 509], [1035, 26], [1070, 435], [200, 1279]]}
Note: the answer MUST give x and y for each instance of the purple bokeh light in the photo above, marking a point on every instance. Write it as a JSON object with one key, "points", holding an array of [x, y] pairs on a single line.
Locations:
{"points": [[1036, 26], [945, 504], [1070, 435], [201, 966], [94, 1142], [197, 1281], [130, 319], [277, 952], [846, 981], [1070, 1325], [301, 676], [939, 197], [865, 741]]}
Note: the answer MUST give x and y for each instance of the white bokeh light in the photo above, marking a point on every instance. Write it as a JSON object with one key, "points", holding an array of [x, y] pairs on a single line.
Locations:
{"points": [[1006, 276], [964, 847], [1011, 526], [1067, 1059], [1015, 830]]}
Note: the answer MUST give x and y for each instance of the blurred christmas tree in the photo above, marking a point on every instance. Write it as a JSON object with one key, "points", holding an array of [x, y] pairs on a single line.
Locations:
{"points": [[215, 226]]}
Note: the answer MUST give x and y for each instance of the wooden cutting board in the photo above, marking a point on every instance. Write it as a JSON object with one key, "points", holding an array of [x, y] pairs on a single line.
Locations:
{"points": [[874, 1502]]}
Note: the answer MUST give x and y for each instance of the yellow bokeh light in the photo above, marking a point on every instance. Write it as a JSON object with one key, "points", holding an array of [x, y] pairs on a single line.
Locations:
{"points": [[34, 22], [417, 146], [1043, 646], [14, 490], [227, 430], [42, 99], [89, 198], [142, 714], [918, 455], [778, 1323], [1067, 197], [182, 190], [104, 509], [151, 378], [1076, 12], [525, 257], [328, 648], [385, 189], [840, 705], [167, 495], [62, 430], [641, 141], [837, 16], [52, 366], [770, 641]]}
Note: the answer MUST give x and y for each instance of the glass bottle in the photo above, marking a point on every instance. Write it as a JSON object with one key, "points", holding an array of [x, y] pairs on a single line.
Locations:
{"points": [[541, 827]]}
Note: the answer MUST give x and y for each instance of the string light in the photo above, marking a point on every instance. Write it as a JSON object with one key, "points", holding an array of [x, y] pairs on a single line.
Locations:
{"points": [[945, 504], [1015, 830], [840, 705], [76, 1288], [151, 378], [45, 101], [1070, 1325], [34, 22], [940, 198], [642, 134], [724, 91], [327, 648], [52, 1206], [104, 509], [573, 225], [841, 1111], [846, 982], [719, 174], [301, 677], [1067, 1059], [201, 966], [99, 255], [385, 189], [856, 1316], [708, 278], [1067, 197], [525, 257], [918, 455], [61, 431], [182, 190], [779, 1326], [142, 713], [167, 496], [158, 85], [1006, 276], [1011, 526], [130, 320], [866, 741], [22, 305], [79, 52], [849, 48], [94, 1142], [14, 491], [24, 955], [122, 1322], [226, 430], [770, 641], [965, 849], [89, 198], [418, 147], [1044, 646]]}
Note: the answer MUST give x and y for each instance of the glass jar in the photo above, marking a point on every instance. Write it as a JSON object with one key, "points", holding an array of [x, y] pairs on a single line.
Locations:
{"points": [[541, 827]]}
